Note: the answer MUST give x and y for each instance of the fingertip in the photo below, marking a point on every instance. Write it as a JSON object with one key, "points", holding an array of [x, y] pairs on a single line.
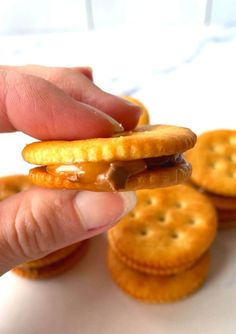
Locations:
{"points": [[123, 111], [56, 115], [134, 111]]}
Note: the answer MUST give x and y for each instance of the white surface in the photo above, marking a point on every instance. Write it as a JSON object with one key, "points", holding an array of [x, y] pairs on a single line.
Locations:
{"points": [[85, 300], [186, 78]]}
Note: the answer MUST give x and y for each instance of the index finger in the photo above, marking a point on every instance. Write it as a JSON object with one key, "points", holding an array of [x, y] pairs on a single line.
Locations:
{"points": [[40, 109], [77, 83]]}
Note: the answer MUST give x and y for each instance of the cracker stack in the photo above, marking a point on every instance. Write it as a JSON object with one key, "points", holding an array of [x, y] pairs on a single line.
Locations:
{"points": [[159, 252], [214, 172]]}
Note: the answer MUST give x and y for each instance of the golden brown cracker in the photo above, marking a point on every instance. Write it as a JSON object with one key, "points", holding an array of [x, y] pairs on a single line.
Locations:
{"points": [[214, 162], [12, 184], [144, 117], [143, 142], [158, 289], [53, 269], [167, 231], [225, 207]]}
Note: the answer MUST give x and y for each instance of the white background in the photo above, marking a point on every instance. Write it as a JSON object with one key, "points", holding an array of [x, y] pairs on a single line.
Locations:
{"points": [[184, 71]]}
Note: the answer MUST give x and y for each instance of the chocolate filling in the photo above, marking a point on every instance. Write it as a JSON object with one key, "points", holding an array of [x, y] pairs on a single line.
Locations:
{"points": [[119, 172], [164, 161]]}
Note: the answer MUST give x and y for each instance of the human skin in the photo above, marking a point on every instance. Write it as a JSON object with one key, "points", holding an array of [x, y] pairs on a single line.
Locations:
{"points": [[37, 100]]}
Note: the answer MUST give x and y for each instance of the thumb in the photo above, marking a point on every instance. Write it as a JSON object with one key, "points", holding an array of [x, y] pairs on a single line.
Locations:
{"points": [[39, 221]]}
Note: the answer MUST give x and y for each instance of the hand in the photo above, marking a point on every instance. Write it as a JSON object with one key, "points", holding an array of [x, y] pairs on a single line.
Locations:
{"points": [[57, 103]]}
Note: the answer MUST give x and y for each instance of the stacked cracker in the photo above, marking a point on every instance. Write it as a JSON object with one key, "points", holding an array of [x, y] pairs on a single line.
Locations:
{"points": [[214, 172], [52, 264], [159, 252]]}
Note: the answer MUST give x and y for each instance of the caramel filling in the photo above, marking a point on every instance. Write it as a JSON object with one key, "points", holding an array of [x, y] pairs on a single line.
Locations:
{"points": [[115, 173]]}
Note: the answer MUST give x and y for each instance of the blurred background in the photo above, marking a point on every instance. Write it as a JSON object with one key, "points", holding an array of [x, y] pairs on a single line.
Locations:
{"points": [[177, 56], [49, 16]]}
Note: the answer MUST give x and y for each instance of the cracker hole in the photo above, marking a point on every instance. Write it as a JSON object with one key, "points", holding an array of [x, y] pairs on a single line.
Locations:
{"points": [[179, 205], [212, 165], [212, 148], [174, 235], [232, 175], [229, 158], [132, 214], [191, 221], [143, 232], [149, 201], [161, 218]]}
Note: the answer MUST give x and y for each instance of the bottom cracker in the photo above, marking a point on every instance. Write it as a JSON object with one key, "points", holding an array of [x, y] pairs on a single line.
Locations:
{"points": [[158, 289]]}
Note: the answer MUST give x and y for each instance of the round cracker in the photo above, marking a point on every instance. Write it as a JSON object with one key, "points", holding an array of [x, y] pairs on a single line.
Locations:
{"points": [[143, 142], [161, 177], [144, 117], [214, 162], [158, 289], [12, 184], [55, 268], [168, 229]]}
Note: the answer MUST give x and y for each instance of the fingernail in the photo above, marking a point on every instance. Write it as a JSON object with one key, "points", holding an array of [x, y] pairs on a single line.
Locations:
{"points": [[117, 127], [89, 68], [100, 209], [134, 105]]}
